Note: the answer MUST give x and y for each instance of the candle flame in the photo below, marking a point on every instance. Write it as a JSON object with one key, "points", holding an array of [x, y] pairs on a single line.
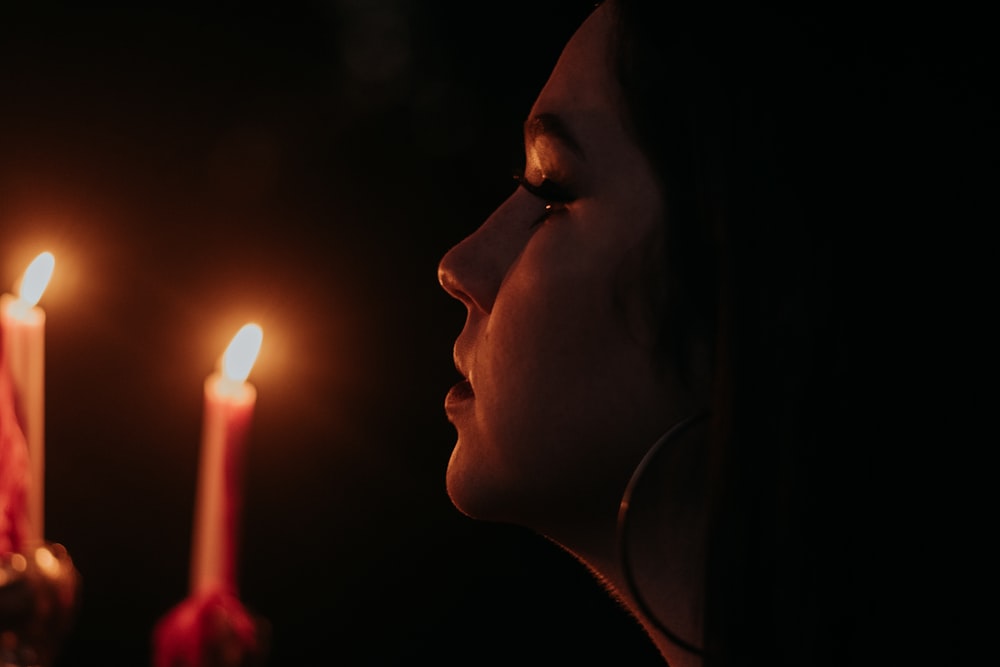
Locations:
{"points": [[242, 352], [36, 278]]}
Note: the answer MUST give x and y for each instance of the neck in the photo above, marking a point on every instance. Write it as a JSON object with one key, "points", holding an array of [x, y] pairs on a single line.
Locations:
{"points": [[651, 559]]}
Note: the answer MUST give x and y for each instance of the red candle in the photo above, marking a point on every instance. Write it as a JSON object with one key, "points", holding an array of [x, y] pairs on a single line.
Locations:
{"points": [[229, 405], [23, 338]]}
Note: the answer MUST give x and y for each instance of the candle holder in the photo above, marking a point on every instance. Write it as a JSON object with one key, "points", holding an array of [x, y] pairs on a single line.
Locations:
{"points": [[39, 596], [211, 629]]}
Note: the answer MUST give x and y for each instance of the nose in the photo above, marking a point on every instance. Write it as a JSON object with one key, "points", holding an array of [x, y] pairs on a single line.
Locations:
{"points": [[463, 273], [473, 270]]}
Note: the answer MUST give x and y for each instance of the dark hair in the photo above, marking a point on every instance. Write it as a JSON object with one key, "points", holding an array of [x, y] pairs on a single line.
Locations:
{"points": [[740, 111]]}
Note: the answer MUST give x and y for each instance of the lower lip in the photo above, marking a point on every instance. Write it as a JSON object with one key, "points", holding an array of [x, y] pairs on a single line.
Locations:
{"points": [[460, 393]]}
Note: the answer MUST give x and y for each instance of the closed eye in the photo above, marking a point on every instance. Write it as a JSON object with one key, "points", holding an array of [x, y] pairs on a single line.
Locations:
{"points": [[548, 190], [551, 193]]}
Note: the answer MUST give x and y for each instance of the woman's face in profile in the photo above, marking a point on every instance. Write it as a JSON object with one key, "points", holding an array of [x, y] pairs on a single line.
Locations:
{"points": [[560, 398]]}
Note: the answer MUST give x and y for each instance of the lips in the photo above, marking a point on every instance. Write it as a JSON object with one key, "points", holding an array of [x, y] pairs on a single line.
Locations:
{"points": [[460, 396], [462, 391]]}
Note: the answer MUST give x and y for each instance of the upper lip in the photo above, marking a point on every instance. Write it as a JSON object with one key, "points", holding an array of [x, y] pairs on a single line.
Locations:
{"points": [[458, 367], [458, 364]]}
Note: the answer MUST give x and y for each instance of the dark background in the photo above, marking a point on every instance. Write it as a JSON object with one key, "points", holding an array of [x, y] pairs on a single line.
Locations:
{"points": [[303, 165]]}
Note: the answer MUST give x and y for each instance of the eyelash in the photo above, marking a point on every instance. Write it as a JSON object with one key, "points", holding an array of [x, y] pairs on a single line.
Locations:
{"points": [[554, 195]]}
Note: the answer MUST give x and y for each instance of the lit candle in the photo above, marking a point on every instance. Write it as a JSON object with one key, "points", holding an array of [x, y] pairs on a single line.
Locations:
{"points": [[23, 325], [229, 404]]}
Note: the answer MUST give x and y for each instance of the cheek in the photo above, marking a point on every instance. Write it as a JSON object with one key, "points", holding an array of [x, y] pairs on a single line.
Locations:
{"points": [[566, 397], [549, 328], [560, 376]]}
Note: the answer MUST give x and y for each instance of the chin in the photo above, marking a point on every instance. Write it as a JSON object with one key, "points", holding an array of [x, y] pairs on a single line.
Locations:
{"points": [[474, 489], [464, 491]]}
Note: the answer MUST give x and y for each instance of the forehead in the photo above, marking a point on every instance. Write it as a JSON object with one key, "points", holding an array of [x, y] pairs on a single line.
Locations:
{"points": [[581, 84]]}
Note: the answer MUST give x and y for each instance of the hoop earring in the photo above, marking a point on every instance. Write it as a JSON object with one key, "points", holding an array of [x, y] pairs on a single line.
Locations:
{"points": [[623, 532]]}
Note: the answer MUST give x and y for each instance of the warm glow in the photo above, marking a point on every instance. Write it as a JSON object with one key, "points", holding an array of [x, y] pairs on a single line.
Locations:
{"points": [[47, 562], [18, 563], [36, 278], [242, 353]]}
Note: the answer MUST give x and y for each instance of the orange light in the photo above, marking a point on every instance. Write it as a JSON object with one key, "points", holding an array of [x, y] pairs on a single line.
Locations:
{"points": [[47, 562], [18, 563]]}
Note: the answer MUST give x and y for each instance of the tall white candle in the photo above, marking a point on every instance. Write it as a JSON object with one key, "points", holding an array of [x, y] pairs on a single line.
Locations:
{"points": [[23, 325], [229, 405]]}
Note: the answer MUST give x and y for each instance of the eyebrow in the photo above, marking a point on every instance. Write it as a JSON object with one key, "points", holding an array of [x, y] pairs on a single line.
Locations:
{"points": [[549, 124]]}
